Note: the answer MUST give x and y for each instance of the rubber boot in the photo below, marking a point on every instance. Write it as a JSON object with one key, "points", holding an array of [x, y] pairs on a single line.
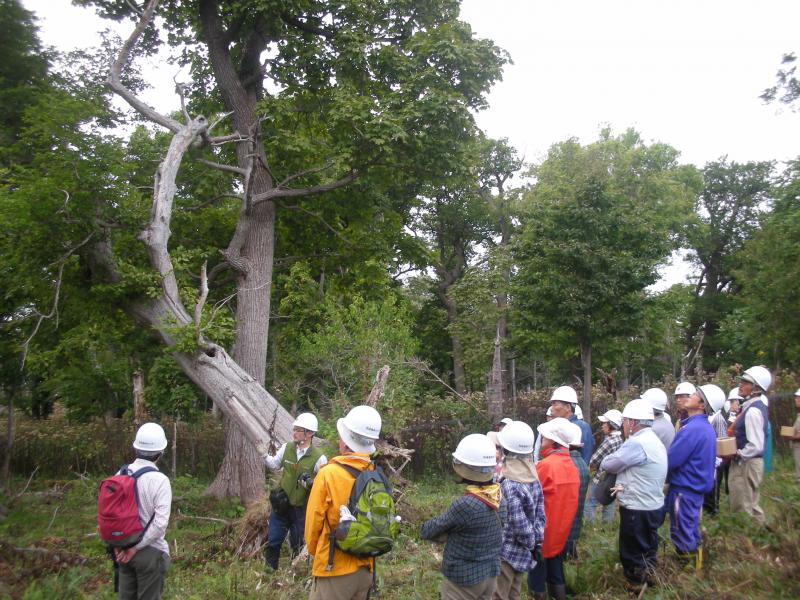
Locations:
{"points": [[271, 557], [539, 596], [559, 592]]}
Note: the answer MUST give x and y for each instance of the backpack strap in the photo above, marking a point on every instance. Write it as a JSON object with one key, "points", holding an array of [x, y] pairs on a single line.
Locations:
{"points": [[125, 469]]}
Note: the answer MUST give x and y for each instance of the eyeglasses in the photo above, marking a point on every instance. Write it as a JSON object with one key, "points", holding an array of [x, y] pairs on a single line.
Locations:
{"points": [[299, 430]]}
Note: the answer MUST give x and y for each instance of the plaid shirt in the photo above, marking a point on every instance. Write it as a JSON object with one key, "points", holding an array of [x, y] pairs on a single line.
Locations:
{"points": [[474, 536], [524, 529], [610, 444]]}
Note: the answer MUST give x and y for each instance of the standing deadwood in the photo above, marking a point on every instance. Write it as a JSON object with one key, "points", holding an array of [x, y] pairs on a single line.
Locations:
{"points": [[609, 381], [139, 408], [378, 388], [495, 387]]}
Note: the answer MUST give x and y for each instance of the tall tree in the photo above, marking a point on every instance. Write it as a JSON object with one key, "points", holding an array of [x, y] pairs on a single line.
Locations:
{"points": [[726, 215], [366, 83], [764, 326], [594, 228]]}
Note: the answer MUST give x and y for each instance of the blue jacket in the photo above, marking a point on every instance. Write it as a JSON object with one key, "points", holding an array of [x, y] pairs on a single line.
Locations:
{"points": [[692, 455], [586, 437]]}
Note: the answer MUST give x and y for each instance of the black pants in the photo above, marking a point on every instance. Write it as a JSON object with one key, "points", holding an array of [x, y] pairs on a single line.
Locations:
{"points": [[711, 499], [638, 542]]}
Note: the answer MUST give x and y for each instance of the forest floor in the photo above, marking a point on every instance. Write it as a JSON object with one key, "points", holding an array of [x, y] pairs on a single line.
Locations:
{"points": [[49, 549]]}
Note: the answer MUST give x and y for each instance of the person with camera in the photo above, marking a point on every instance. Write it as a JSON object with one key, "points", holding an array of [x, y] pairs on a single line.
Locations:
{"points": [[299, 462]]}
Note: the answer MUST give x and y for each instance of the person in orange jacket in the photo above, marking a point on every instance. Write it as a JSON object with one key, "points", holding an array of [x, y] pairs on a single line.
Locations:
{"points": [[339, 575], [560, 485]]}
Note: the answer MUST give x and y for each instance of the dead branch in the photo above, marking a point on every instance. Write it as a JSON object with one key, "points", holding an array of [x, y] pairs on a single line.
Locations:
{"points": [[57, 294], [115, 74], [25, 489]]}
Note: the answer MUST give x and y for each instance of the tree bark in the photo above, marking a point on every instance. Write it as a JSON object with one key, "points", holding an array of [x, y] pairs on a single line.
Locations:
{"points": [[139, 409], [496, 384]]}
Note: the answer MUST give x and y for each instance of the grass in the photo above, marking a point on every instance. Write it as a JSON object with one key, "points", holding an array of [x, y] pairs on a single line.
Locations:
{"points": [[48, 549]]}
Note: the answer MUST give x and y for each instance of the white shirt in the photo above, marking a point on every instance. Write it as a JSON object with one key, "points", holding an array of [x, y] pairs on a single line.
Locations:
{"points": [[274, 462], [155, 500]]}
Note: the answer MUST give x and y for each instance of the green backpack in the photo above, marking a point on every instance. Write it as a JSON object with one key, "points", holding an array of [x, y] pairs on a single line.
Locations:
{"points": [[376, 526]]}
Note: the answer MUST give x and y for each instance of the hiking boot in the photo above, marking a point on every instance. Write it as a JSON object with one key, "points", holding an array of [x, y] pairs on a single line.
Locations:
{"points": [[271, 558], [559, 592]]}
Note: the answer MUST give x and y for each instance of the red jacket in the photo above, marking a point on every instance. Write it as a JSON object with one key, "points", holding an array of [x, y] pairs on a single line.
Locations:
{"points": [[560, 484]]}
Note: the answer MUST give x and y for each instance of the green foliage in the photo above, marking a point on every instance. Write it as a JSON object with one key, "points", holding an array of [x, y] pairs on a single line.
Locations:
{"points": [[594, 228], [727, 214], [331, 347], [764, 326]]}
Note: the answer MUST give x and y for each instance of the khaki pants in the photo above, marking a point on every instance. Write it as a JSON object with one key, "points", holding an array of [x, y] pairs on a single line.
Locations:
{"points": [[353, 586], [509, 583], [796, 448], [479, 591], [142, 578], [743, 483]]}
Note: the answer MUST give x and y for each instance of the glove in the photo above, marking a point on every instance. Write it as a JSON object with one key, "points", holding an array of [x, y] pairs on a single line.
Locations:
{"points": [[536, 553], [306, 481]]}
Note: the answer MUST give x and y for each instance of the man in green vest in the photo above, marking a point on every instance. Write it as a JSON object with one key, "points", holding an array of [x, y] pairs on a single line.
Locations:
{"points": [[300, 462]]}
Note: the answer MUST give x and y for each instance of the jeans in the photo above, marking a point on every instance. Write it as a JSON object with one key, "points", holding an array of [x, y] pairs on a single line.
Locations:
{"points": [[293, 524], [590, 510], [548, 570]]}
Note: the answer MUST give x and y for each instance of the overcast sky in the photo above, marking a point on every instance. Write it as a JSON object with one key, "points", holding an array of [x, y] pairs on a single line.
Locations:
{"points": [[685, 72]]}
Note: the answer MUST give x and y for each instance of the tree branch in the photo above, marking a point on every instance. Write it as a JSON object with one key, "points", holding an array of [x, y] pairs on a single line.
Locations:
{"points": [[115, 78], [278, 192], [222, 167]]}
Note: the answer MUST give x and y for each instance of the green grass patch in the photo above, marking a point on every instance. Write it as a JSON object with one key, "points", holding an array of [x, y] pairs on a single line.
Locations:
{"points": [[49, 549]]}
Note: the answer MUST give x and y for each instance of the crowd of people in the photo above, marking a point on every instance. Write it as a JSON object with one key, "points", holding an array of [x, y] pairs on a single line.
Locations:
{"points": [[525, 496]]}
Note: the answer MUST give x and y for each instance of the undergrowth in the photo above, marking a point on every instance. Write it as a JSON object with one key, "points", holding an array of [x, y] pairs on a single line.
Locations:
{"points": [[49, 549]]}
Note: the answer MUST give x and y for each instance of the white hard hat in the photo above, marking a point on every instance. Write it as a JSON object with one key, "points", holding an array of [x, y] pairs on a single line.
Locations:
{"points": [[150, 438], [475, 458], [758, 375], [306, 421], [579, 411], [360, 428], [576, 437], [713, 396], [684, 387], [638, 410], [657, 398], [612, 416], [517, 437], [734, 394], [797, 393], [557, 430], [506, 420], [564, 394]]}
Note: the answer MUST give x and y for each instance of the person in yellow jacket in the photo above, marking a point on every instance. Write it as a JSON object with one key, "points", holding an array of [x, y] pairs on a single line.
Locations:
{"points": [[338, 575]]}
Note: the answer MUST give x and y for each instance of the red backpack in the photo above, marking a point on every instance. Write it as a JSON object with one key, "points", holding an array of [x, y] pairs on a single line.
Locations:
{"points": [[118, 509]]}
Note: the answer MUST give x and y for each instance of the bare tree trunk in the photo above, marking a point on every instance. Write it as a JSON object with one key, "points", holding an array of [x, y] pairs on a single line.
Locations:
{"points": [[586, 361], [459, 374], [175, 446], [495, 385], [139, 408]]}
